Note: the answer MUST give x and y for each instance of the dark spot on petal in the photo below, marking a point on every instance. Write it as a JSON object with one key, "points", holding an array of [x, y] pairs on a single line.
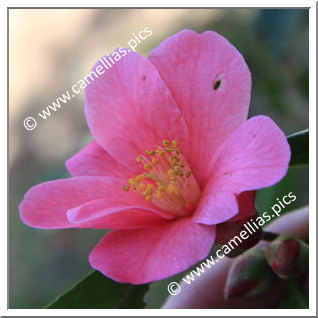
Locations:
{"points": [[144, 77], [217, 84]]}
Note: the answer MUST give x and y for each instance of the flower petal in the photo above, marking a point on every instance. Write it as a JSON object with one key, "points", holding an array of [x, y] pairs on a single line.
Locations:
{"points": [[93, 160], [193, 65], [46, 205], [216, 207], [107, 214], [142, 256], [255, 156], [129, 110]]}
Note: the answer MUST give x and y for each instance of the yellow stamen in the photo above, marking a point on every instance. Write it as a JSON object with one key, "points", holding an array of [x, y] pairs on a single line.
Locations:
{"points": [[160, 152], [174, 160], [159, 194], [175, 144], [188, 174], [141, 187], [172, 188], [154, 161], [146, 192], [147, 167], [176, 169]]}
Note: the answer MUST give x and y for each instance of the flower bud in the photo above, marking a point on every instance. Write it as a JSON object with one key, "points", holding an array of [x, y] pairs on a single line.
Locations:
{"points": [[288, 256], [249, 276]]}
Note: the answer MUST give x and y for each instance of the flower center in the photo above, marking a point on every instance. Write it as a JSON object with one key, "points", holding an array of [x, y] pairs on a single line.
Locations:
{"points": [[167, 181]]}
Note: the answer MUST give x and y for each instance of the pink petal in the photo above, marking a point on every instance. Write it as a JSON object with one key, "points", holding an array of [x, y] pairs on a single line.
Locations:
{"points": [[255, 156], [142, 256], [190, 64], [115, 215], [216, 207], [93, 160], [129, 110], [46, 205]]}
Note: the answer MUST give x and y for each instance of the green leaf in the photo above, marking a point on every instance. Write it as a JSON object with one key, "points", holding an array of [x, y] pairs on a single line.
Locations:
{"points": [[96, 291], [299, 144], [296, 297]]}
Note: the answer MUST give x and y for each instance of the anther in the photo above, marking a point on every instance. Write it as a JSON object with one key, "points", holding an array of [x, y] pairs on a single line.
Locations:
{"points": [[174, 160], [188, 174], [147, 167], [175, 144], [160, 152], [147, 192]]}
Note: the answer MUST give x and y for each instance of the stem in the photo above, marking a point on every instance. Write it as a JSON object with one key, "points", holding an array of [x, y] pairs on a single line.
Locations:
{"points": [[270, 236]]}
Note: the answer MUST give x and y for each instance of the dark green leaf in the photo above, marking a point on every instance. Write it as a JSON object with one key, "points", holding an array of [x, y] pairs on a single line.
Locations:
{"points": [[299, 144], [295, 298], [96, 291]]}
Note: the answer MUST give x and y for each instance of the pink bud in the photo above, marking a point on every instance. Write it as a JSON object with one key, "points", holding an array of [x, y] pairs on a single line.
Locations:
{"points": [[287, 256], [249, 276]]}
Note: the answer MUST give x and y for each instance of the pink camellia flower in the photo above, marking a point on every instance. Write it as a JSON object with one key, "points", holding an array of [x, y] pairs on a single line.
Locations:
{"points": [[173, 157]]}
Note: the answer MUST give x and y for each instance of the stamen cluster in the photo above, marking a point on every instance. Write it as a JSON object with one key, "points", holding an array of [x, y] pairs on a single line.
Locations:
{"points": [[167, 181]]}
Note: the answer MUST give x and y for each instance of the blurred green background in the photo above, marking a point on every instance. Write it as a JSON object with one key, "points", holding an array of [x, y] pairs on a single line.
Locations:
{"points": [[51, 49]]}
